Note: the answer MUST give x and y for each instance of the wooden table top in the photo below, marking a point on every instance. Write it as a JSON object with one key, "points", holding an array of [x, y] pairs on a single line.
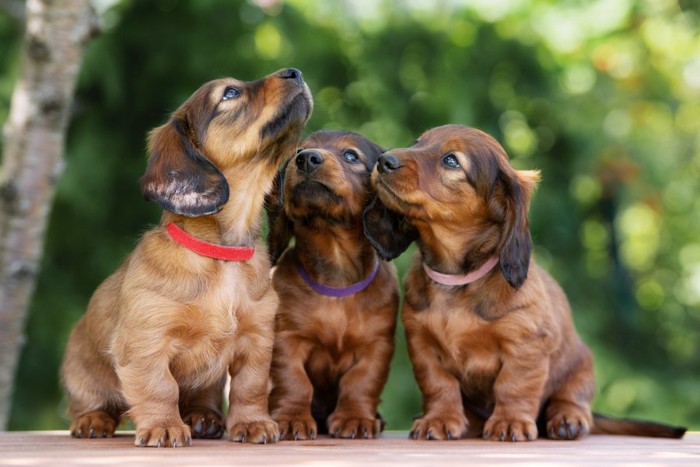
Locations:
{"points": [[57, 448]]}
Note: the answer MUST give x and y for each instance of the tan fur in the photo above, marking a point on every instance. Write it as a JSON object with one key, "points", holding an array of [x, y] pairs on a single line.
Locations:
{"points": [[500, 356], [331, 356], [161, 332]]}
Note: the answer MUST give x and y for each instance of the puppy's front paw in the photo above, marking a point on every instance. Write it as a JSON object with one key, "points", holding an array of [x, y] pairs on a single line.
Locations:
{"points": [[351, 426], [176, 436], [440, 427], [205, 423], [96, 424], [297, 426], [568, 422], [505, 429], [257, 431]]}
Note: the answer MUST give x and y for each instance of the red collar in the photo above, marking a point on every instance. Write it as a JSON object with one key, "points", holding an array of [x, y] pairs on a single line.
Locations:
{"points": [[211, 250]]}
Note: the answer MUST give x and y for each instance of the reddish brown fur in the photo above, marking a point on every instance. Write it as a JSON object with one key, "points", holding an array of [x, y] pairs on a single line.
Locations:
{"points": [[331, 355], [499, 356], [161, 332]]}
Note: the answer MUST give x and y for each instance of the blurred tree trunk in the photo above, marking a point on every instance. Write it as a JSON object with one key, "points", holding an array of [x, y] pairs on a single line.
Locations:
{"points": [[55, 38]]}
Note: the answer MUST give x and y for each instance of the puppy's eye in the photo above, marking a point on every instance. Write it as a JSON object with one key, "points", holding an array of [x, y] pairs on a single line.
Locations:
{"points": [[450, 161], [351, 156], [230, 93]]}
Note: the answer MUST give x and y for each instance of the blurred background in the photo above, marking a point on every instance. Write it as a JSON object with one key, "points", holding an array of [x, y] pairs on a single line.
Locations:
{"points": [[602, 96]]}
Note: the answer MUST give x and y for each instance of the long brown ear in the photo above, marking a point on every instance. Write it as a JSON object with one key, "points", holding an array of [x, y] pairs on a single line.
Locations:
{"points": [[372, 151], [180, 178], [516, 246], [280, 226], [387, 231]]}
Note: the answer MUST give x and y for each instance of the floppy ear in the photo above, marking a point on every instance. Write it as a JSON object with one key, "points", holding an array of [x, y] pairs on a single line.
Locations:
{"points": [[387, 231], [372, 151], [516, 244], [178, 176], [281, 229]]}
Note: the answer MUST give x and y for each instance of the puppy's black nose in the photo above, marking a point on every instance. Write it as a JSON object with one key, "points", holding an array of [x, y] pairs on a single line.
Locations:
{"points": [[308, 161], [388, 163], [293, 74]]}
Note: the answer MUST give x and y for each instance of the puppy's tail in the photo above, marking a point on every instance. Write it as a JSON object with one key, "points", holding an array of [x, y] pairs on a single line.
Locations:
{"points": [[603, 425]]}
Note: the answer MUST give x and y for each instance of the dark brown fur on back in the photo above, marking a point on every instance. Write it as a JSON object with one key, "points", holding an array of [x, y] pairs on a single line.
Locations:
{"points": [[498, 357], [331, 355]]}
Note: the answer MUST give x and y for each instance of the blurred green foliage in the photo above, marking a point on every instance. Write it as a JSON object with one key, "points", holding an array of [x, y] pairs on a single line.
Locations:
{"points": [[602, 96]]}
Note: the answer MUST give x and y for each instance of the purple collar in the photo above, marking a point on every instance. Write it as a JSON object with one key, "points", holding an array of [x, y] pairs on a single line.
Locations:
{"points": [[339, 291]]}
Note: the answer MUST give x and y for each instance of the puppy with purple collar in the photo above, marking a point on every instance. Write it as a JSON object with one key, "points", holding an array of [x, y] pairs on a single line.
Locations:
{"points": [[334, 330]]}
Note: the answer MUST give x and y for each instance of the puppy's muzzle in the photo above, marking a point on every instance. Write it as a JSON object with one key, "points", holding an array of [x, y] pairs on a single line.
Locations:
{"points": [[388, 163], [307, 161]]}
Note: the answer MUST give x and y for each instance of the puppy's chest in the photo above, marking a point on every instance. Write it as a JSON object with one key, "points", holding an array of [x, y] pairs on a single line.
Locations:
{"points": [[224, 292], [337, 326], [204, 336], [338, 333], [466, 344]]}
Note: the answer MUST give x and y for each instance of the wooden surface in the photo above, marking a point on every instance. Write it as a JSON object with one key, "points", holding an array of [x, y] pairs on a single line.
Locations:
{"points": [[56, 448]]}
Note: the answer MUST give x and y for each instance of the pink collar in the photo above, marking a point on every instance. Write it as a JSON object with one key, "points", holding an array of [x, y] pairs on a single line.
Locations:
{"points": [[464, 279], [210, 250]]}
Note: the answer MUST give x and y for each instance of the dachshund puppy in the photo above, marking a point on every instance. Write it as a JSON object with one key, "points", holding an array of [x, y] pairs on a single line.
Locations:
{"points": [[194, 298], [334, 332], [490, 333]]}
